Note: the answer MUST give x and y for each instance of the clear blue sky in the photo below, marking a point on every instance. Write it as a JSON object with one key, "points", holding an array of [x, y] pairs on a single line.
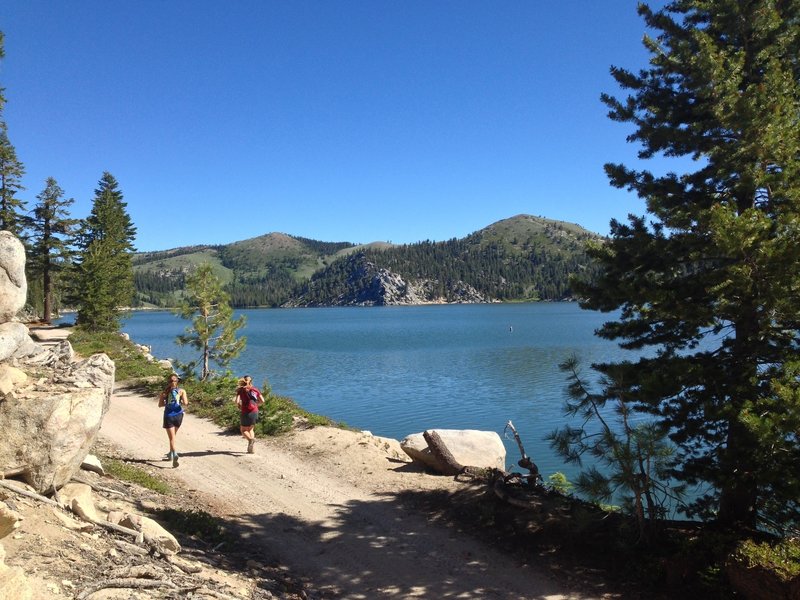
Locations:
{"points": [[333, 120]]}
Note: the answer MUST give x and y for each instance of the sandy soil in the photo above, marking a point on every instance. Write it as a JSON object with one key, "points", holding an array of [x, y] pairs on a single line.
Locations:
{"points": [[324, 503]]}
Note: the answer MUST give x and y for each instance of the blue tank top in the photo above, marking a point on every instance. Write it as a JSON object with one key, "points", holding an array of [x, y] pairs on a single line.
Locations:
{"points": [[173, 405]]}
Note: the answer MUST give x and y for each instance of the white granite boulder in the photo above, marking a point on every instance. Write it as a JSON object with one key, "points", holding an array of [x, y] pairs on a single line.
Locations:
{"points": [[77, 497], [13, 285], [49, 426], [470, 448]]}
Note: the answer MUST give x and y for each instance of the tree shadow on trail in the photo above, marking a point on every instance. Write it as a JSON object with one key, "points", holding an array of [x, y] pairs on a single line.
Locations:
{"points": [[401, 545]]}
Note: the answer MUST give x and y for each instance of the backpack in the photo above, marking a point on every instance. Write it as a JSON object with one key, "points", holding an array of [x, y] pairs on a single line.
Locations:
{"points": [[249, 398]]}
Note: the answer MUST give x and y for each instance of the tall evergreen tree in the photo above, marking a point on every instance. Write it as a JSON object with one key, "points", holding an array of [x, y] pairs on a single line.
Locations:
{"points": [[51, 236], [710, 282], [104, 274], [213, 329], [12, 207]]}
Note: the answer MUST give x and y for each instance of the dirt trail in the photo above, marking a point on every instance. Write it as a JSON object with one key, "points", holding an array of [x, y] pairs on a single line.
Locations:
{"points": [[322, 503]]}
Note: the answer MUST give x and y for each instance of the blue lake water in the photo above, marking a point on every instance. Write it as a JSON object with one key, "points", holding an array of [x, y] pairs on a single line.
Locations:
{"points": [[401, 370]]}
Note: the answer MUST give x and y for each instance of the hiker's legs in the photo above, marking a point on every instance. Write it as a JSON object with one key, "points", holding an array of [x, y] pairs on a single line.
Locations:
{"points": [[247, 432], [171, 432]]}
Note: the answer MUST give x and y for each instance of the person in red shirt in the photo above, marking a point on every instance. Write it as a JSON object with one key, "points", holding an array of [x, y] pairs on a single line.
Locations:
{"points": [[248, 399]]}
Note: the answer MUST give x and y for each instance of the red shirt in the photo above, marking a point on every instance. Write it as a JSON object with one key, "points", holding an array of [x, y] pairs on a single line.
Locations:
{"points": [[249, 397]]}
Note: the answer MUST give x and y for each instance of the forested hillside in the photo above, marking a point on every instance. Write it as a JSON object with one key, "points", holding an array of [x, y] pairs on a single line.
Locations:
{"points": [[521, 258]]}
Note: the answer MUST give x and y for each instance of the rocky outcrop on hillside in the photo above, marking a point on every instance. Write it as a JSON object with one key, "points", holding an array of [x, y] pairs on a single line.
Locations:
{"points": [[370, 285]]}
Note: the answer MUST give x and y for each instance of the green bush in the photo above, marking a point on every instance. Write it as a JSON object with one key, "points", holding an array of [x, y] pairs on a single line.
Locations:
{"points": [[125, 472], [129, 361], [782, 558], [213, 399]]}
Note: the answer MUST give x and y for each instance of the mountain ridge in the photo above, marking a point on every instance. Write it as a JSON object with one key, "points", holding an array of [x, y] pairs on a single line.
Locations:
{"points": [[523, 257]]}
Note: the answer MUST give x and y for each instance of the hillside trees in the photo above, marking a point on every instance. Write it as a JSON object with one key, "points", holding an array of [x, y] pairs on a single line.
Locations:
{"points": [[213, 329], [104, 273], [709, 281], [51, 236]]}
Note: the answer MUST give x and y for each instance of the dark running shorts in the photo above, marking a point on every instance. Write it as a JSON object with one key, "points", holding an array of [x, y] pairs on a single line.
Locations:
{"points": [[173, 421], [249, 419]]}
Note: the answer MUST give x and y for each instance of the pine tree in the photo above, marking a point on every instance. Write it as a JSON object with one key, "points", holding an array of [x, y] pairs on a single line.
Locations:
{"points": [[711, 281], [51, 237], [12, 208], [213, 329], [104, 274]]}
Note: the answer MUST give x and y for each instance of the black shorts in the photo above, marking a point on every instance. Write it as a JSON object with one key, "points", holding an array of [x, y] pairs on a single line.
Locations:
{"points": [[249, 419], [173, 421]]}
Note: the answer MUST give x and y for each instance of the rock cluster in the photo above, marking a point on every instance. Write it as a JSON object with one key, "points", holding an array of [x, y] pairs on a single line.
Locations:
{"points": [[51, 406]]}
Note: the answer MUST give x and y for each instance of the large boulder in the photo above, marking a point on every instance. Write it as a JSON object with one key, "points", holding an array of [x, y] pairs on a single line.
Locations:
{"points": [[13, 583], [469, 447], [77, 497], [15, 341], [49, 425], [13, 285]]}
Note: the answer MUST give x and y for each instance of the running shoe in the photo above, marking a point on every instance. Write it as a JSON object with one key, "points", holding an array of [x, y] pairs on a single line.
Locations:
{"points": [[174, 459], [168, 456], [250, 446]]}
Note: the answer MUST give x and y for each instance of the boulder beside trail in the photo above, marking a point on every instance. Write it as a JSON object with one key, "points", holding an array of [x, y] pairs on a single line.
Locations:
{"points": [[13, 285], [50, 424], [469, 447]]}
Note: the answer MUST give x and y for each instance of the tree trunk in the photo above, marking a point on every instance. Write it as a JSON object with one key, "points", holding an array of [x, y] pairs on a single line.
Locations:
{"points": [[448, 464], [205, 370], [46, 284], [738, 496]]}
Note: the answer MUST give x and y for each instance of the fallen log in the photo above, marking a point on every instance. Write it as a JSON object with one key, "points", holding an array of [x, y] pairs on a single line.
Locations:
{"points": [[28, 494], [124, 583], [449, 465]]}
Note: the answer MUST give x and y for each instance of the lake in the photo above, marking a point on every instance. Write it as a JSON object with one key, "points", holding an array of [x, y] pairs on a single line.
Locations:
{"points": [[401, 370]]}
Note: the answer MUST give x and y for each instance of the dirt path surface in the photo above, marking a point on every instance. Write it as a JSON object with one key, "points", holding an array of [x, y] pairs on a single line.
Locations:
{"points": [[323, 503]]}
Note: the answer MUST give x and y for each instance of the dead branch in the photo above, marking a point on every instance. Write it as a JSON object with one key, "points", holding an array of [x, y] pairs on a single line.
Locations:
{"points": [[130, 548], [182, 565], [209, 592], [137, 535], [95, 487], [525, 462], [136, 572], [28, 494], [125, 583]]}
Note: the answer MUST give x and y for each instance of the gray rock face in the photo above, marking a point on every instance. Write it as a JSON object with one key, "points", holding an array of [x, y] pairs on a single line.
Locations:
{"points": [[369, 285], [13, 285]]}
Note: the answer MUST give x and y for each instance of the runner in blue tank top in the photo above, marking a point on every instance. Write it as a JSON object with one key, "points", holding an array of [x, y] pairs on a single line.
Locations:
{"points": [[173, 399]]}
